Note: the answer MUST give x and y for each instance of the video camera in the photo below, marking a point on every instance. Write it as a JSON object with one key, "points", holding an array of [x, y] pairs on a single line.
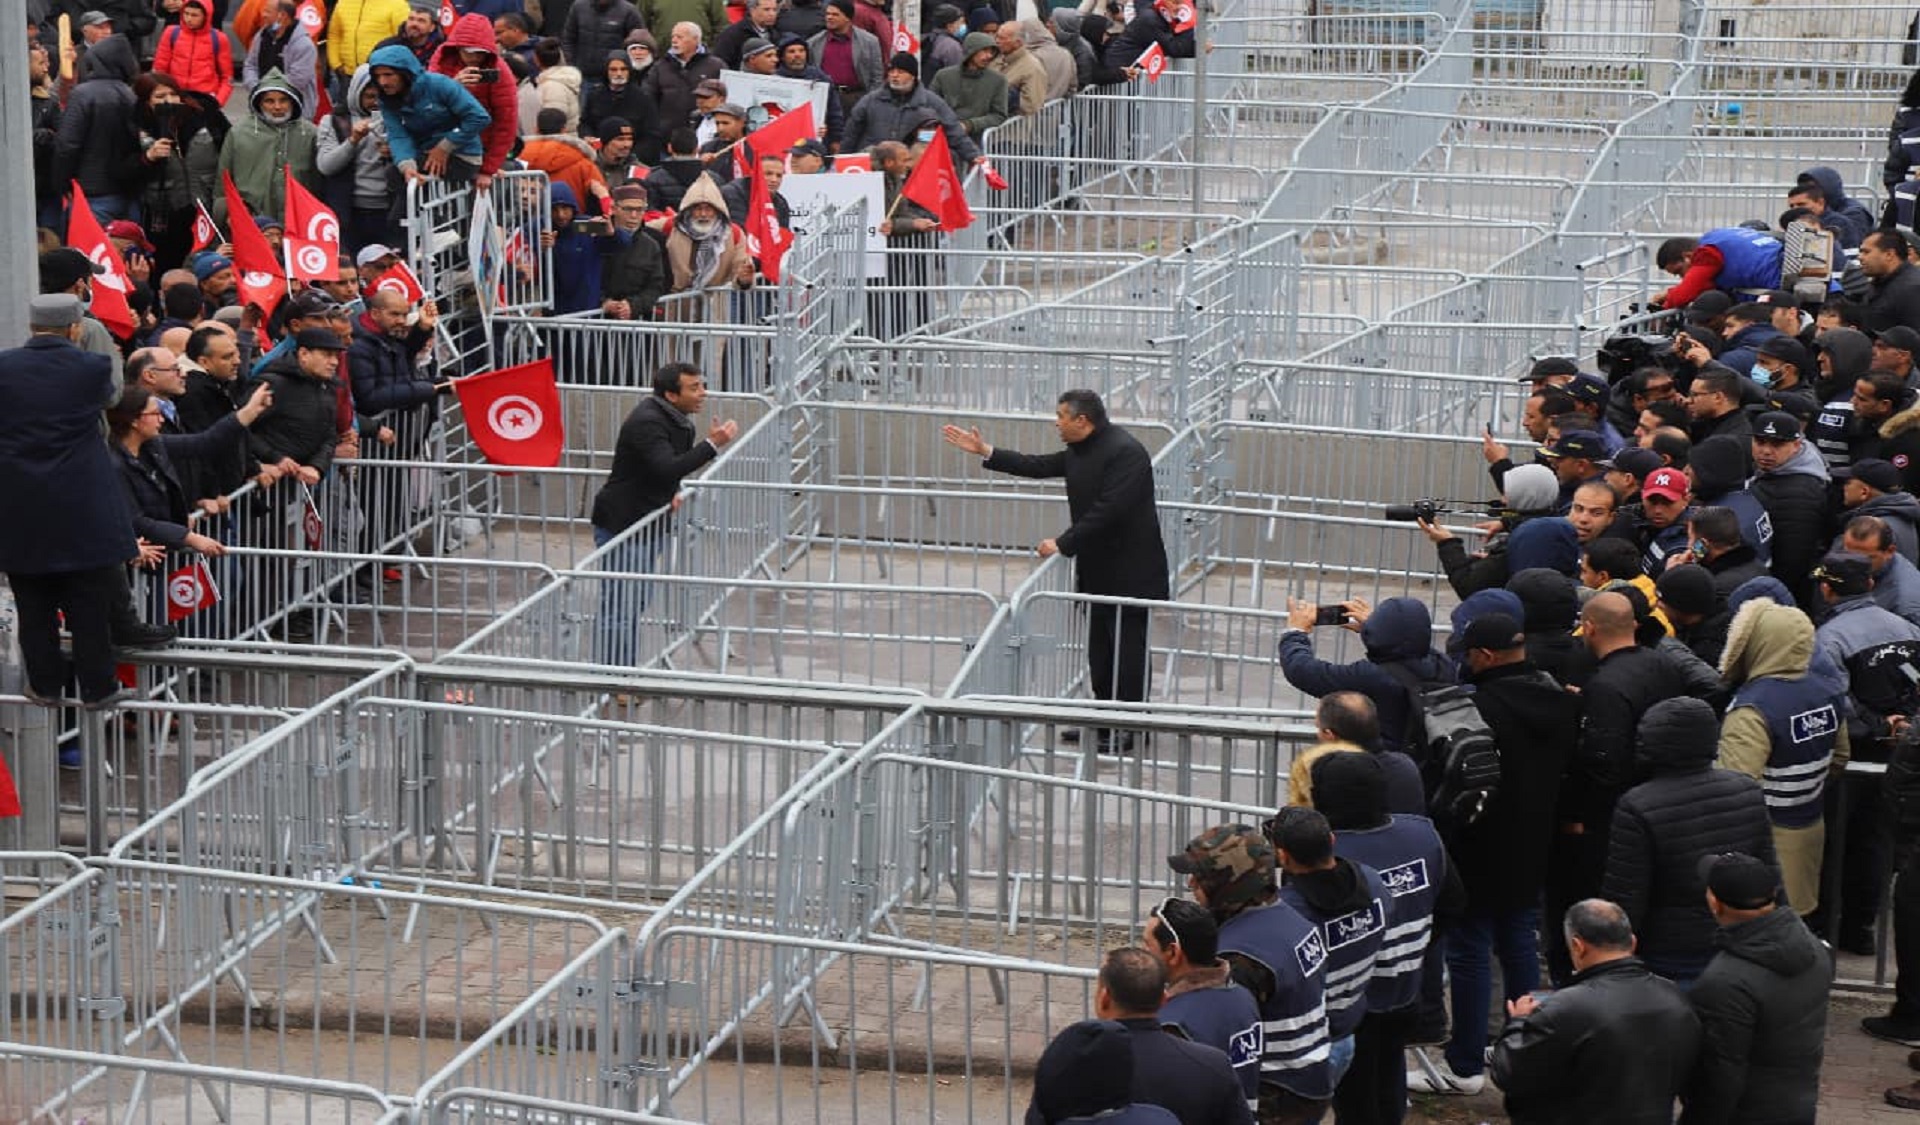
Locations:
{"points": [[1626, 353], [1430, 510]]}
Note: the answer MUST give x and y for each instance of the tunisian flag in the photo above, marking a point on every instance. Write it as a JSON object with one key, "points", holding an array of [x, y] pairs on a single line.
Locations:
{"points": [[190, 590], [312, 239], [1153, 60], [514, 415], [205, 233], [935, 185], [782, 133], [109, 304], [399, 279], [767, 240], [258, 274]]}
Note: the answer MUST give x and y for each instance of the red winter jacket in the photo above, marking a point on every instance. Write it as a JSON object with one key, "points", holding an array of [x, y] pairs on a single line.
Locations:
{"points": [[201, 61], [501, 97]]}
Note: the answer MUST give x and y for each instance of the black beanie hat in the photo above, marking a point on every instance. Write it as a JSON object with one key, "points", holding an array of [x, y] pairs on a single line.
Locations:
{"points": [[906, 62]]}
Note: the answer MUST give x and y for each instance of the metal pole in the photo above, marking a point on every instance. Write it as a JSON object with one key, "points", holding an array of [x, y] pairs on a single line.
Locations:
{"points": [[19, 259], [1199, 109]]}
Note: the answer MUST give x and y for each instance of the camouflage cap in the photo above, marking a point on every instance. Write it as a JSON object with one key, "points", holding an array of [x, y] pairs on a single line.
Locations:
{"points": [[1233, 862]]}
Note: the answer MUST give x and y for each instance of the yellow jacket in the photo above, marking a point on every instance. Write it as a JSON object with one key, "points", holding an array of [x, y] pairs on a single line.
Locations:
{"points": [[356, 26]]}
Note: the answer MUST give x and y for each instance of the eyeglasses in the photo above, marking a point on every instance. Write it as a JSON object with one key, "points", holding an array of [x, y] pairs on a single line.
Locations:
{"points": [[1160, 912], [153, 414]]}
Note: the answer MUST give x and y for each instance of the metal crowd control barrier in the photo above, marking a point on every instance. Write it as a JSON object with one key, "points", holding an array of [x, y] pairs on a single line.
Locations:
{"points": [[39, 1084]]}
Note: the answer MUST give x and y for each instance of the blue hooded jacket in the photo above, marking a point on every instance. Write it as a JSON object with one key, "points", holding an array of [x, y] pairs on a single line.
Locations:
{"points": [[1549, 543], [576, 262], [1850, 212], [1399, 631], [433, 110]]}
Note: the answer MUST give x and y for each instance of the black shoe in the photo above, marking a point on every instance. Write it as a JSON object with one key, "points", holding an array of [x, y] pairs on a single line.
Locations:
{"points": [[1913, 1060], [1108, 744], [1069, 735], [1859, 942], [108, 701], [145, 636], [1892, 1030]]}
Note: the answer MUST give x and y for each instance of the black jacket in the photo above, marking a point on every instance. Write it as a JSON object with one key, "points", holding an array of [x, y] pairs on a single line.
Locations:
{"points": [[1146, 28], [1552, 605], [657, 447], [1734, 569], [670, 83], [1762, 1004], [160, 503], [1662, 828], [632, 104], [1114, 539], [385, 378], [667, 182], [634, 271], [1895, 300], [301, 423], [96, 138], [1708, 638], [1193, 1081], [1503, 857], [1614, 1047], [1623, 686], [1798, 505], [205, 403]]}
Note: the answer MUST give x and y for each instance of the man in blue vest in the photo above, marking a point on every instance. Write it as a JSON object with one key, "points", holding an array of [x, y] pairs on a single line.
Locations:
{"points": [[1277, 955], [1202, 1002], [1348, 902], [1413, 865], [1730, 259]]}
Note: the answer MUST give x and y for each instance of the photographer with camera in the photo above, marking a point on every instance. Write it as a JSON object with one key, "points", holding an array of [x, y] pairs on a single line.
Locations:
{"points": [[1517, 544], [1399, 632]]}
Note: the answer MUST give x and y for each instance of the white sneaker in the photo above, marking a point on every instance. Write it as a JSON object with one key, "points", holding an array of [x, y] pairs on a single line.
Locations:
{"points": [[1443, 1080]]}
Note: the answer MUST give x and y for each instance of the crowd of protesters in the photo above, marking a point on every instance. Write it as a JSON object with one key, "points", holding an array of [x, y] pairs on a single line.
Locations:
{"points": [[150, 112]]}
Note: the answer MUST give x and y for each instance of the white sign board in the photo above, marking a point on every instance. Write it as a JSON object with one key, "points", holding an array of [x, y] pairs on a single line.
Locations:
{"points": [[757, 91], [812, 195]]}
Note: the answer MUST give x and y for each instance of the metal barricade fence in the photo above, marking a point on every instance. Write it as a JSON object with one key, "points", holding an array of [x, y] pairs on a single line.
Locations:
{"points": [[38, 1084], [464, 1105], [886, 1034], [319, 979], [523, 210], [591, 351], [822, 299], [962, 375]]}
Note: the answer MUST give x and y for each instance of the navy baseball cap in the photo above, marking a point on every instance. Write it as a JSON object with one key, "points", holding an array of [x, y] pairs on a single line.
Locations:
{"points": [[1577, 443]]}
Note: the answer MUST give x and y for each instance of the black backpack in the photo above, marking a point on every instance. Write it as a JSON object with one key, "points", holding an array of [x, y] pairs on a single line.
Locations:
{"points": [[1450, 739]]}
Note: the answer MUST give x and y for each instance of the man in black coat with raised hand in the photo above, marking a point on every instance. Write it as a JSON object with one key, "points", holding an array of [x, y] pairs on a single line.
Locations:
{"points": [[656, 448], [1114, 539], [70, 526]]}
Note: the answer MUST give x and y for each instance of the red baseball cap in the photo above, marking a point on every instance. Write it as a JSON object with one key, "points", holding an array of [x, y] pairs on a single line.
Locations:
{"points": [[129, 230], [1670, 483]]}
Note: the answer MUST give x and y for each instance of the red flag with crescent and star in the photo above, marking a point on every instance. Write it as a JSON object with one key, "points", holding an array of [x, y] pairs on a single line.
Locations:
{"points": [[312, 238], [1153, 60], [254, 267], [190, 590], [935, 185], [399, 279], [205, 232], [513, 414], [110, 286], [767, 240]]}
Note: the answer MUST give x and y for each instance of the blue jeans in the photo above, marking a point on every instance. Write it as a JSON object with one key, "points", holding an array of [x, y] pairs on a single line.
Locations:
{"points": [[1515, 936], [617, 630], [1339, 1058], [107, 208]]}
